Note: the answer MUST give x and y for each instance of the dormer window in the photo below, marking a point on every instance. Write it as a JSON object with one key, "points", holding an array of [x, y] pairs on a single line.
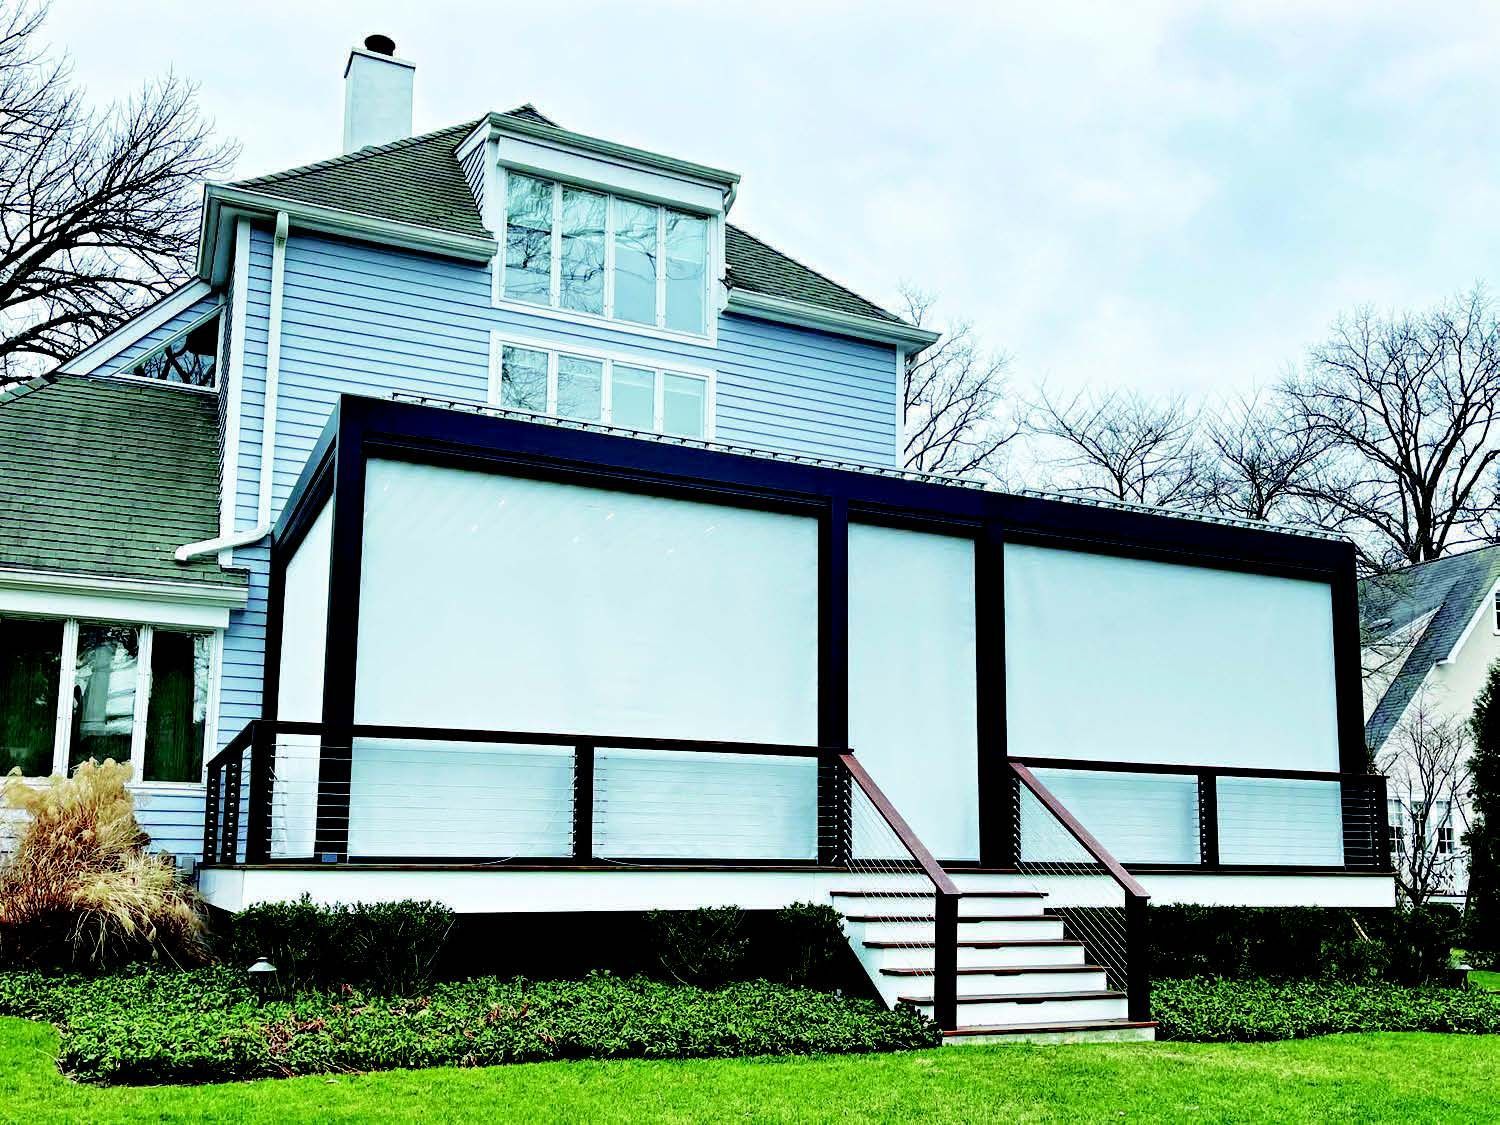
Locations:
{"points": [[584, 251], [190, 357]]}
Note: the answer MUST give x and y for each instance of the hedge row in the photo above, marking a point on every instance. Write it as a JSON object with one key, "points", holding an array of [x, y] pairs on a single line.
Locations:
{"points": [[207, 1024], [1208, 1010]]}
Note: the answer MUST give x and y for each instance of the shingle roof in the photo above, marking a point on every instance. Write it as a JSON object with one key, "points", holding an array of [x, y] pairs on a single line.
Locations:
{"points": [[1450, 591], [419, 180], [106, 477]]}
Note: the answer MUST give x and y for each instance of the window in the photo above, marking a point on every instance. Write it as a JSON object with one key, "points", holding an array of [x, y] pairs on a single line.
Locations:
{"points": [[74, 690], [1396, 814], [583, 251], [190, 358], [1497, 611], [1442, 828], [595, 389]]}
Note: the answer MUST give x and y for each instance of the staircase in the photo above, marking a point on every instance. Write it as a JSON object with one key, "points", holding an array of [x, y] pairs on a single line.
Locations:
{"points": [[1020, 975]]}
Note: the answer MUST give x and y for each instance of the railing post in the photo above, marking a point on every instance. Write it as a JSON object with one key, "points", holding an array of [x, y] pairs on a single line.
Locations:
{"points": [[835, 812], [211, 815], [229, 828], [262, 759], [945, 960], [583, 803], [1137, 949], [1208, 819]]}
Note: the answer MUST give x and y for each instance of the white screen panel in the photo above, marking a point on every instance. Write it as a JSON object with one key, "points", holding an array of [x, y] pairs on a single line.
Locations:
{"points": [[1263, 821], [499, 602], [912, 682], [1138, 817], [674, 805], [1128, 660]]}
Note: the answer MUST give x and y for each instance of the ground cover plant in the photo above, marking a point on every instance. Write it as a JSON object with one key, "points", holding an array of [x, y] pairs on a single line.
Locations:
{"points": [[210, 1025], [1213, 1010]]}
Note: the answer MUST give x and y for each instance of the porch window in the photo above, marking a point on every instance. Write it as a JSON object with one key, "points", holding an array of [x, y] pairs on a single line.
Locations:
{"points": [[30, 673], [189, 358], [71, 691], [600, 389], [588, 252]]}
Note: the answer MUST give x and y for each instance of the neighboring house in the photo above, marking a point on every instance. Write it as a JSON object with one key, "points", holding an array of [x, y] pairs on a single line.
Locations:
{"points": [[1430, 634], [543, 546]]}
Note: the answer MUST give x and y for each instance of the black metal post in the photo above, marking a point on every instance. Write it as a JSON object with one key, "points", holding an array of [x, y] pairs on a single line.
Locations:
{"points": [[262, 759], [1208, 819], [945, 960], [583, 803], [997, 830], [835, 812], [833, 678], [1138, 950], [211, 815], [229, 834]]}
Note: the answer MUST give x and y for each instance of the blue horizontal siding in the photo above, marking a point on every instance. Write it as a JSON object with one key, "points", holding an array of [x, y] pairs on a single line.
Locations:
{"points": [[122, 363], [173, 818]]}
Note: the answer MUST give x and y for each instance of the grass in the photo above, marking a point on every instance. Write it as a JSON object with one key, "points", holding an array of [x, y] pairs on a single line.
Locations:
{"points": [[1405, 1078], [1483, 978]]}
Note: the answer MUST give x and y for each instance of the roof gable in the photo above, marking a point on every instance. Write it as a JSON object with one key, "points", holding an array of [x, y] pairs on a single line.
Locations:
{"points": [[1449, 592], [107, 477]]}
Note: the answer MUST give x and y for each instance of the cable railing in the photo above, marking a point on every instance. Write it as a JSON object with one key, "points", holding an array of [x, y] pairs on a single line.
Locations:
{"points": [[1103, 905]]}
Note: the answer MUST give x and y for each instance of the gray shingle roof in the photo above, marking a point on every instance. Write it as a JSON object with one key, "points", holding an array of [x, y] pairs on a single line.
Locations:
{"points": [[418, 180], [106, 477], [1450, 590]]}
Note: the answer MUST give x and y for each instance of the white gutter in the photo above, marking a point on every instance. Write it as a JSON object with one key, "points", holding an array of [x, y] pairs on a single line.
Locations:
{"points": [[263, 523]]}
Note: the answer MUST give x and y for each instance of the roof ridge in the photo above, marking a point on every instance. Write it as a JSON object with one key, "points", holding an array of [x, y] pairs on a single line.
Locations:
{"points": [[1432, 562], [355, 156], [816, 273]]}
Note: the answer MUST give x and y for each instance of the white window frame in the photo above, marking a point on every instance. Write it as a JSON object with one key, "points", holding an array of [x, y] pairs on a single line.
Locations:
{"points": [[500, 340], [67, 680], [125, 369], [554, 310]]}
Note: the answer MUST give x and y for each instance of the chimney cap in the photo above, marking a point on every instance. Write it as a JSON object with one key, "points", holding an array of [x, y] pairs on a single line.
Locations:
{"points": [[380, 44]]}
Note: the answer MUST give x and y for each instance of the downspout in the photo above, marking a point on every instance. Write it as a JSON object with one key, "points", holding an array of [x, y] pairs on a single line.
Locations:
{"points": [[263, 523]]}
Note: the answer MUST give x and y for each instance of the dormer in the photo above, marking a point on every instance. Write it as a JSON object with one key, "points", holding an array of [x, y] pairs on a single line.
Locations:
{"points": [[592, 230]]}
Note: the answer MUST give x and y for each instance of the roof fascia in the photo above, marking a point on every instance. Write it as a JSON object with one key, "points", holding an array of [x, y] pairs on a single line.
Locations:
{"points": [[1484, 607], [803, 314], [223, 204]]}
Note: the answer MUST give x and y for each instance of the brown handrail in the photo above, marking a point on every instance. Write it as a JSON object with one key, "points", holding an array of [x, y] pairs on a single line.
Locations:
{"points": [[930, 866], [1079, 832]]}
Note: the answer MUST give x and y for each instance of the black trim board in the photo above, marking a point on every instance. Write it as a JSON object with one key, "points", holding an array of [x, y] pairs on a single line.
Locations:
{"points": [[363, 427]]}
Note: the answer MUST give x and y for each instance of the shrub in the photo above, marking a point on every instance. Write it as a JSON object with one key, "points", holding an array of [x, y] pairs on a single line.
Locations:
{"points": [[1237, 1011], [392, 948], [706, 947], [809, 941], [205, 1025], [1301, 943], [80, 890]]}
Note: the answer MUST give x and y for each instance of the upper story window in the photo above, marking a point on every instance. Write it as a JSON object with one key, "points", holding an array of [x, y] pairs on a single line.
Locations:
{"points": [[73, 690], [615, 392], [190, 357], [584, 251]]}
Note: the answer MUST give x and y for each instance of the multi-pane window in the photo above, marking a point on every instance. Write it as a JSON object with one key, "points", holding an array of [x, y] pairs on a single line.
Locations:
{"points": [[570, 248], [71, 691], [1442, 828], [593, 389], [190, 357]]}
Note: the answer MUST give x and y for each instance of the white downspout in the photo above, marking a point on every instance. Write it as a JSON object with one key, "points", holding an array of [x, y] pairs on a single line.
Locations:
{"points": [[263, 524]]}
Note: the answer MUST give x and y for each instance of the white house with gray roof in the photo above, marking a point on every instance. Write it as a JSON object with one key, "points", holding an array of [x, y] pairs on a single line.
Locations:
{"points": [[515, 530]]}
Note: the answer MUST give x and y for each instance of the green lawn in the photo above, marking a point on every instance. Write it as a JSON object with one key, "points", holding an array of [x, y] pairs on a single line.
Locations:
{"points": [[1482, 978], [1342, 1078]]}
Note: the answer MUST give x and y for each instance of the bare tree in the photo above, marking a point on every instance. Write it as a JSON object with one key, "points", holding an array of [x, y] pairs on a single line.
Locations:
{"points": [[1425, 761], [1258, 459], [98, 208], [1404, 410], [1120, 445], [955, 417]]}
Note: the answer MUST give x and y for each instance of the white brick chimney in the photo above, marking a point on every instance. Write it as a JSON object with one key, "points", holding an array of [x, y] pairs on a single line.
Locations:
{"points": [[377, 94]]}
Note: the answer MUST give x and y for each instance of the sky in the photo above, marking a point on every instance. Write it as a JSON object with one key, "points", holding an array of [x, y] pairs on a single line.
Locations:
{"points": [[1173, 197]]}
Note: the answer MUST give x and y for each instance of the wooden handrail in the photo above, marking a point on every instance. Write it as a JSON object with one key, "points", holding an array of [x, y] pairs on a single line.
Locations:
{"points": [[1079, 832], [930, 867], [1251, 772]]}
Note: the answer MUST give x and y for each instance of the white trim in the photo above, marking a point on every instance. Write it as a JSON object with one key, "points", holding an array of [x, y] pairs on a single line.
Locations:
{"points": [[234, 372], [164, 591], [900, 406], [146, 637], [221, 204], [137, 328], [160, 348], [596, 320], [608, 357], [805, 315], [1486, 608], [67, 678], [273, 370]]}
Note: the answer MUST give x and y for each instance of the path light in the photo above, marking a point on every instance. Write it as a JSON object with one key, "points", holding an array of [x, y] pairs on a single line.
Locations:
{"points": [[262, 976]]}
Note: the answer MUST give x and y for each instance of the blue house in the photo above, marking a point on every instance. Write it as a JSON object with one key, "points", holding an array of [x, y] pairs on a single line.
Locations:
{"points": [[492, 520]]}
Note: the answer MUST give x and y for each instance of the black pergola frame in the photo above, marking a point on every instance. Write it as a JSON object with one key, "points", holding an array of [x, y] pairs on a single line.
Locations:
{"points": [[362, 428]]}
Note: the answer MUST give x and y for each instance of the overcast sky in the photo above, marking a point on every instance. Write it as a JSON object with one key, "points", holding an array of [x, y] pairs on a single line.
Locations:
{"points": [[1169, 196]]}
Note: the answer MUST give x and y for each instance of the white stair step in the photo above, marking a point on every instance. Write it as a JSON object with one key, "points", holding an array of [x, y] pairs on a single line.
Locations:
{"points": [[1017, 981], [974, 954], [899, 901], [1040, 927], [1043, 1008], [1086, 1031]]}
